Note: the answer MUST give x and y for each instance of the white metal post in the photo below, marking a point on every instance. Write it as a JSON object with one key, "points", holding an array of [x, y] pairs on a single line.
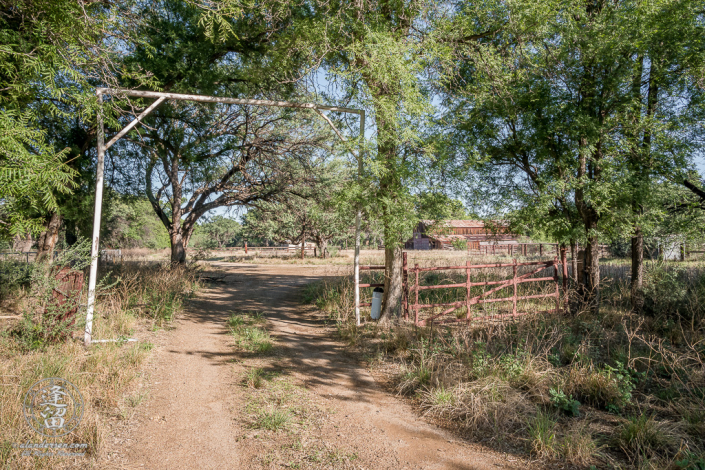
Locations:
{"points": [[160, 97], [96, 222], [358, 217]]}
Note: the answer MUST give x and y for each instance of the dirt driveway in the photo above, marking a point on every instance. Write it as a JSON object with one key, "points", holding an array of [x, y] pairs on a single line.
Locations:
{"points": [[193, 416]]}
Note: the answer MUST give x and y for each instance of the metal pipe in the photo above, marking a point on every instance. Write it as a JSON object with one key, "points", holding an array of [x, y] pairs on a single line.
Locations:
{"points": [[358, 218], [216, 99], [96, 221], [160, 96], [134, 122]]}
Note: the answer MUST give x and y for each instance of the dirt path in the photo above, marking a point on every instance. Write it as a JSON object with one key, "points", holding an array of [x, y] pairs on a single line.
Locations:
{"points": [[192, 418]]}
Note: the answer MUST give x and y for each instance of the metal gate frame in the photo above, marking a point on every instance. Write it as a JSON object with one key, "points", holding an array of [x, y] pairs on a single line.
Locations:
{"points": [[161, 97]]}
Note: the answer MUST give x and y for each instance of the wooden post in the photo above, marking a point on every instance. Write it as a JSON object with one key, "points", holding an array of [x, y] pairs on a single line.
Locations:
{"points": [[416, 300], [564, 263], [303, 246], [540, 249], [315, 254], [405, 286], [467, 285], [558, 292], [514, 286], [494, 250], [245, 247]]}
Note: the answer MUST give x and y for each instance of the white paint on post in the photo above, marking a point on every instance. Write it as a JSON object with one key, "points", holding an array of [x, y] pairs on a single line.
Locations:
{"points": [[160, 96], [96, 222], [358, 217]]}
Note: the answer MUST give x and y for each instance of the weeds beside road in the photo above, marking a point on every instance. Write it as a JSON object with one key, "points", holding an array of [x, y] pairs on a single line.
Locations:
{"points": [[134, 300], [612, 389]]}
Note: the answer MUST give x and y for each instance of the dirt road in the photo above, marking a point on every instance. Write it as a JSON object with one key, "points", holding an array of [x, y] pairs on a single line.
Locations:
{"points": [[193, 416]]}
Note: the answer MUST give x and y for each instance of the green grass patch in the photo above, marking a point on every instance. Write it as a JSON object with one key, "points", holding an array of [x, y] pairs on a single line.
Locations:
{"points": [[247, 328]]}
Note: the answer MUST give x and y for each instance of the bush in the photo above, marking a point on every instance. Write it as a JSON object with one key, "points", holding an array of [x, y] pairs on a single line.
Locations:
{"points": [[14, 275]]}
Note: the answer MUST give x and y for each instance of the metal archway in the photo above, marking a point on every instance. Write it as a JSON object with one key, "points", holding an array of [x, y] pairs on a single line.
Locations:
{"points": [[161, 97]]}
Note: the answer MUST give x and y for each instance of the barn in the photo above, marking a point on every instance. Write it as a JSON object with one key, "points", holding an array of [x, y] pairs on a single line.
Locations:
{"points": [[439, 235]]}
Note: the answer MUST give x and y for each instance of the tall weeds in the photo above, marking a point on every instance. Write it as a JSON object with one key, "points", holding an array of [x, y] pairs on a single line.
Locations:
{"points": [[608, 388], [132, 299]]}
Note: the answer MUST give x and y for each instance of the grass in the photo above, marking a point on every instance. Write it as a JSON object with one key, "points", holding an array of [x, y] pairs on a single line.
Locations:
{"points": [[609, 389], [107, 375], [272, 420], [247, 328], [543, 440]]}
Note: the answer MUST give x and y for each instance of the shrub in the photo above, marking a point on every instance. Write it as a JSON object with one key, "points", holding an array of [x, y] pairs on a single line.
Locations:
{"points": [[608, 388], [564, 403], [14, 275]]}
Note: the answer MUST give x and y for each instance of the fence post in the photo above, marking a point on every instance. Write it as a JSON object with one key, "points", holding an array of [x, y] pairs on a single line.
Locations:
{"points": [[564, 264], [405, 286], [245, 247], [540, 249], [416, 301], [558, 292], [467, 285], [514, 285]]}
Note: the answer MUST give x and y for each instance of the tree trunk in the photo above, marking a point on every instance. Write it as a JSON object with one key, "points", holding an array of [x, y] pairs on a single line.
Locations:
{"points": [[637, 294], [178, 247], [47, 240], [591, 274], [392, 281], [574, 261], [322, 244], [22, 244]]}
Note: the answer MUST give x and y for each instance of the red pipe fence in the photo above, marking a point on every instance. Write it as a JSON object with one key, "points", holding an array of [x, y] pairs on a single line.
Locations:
{"points": [[411, 289]]}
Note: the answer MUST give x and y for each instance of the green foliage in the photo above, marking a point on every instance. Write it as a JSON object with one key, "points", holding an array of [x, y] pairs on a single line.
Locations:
{"points": [[216, 232], [564, 403], [47, 318], [51, 54], [459, 245], [691, 461], [673, 291], [14, 275], [439, 206], [131, 223]]}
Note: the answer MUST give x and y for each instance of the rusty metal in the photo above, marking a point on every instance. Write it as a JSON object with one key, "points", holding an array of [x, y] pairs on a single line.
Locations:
{"points": [[404, 286], [67, 291], [515, 280]]}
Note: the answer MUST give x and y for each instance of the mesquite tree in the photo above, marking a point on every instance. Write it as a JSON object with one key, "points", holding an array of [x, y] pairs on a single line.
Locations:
{"points": [[308, 212], [196, 158]]}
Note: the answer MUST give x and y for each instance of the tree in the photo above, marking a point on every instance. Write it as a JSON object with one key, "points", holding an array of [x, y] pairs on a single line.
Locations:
{"points": [[200, 157], [51, 53], [197, 158], [217, 232], [439, 206], [311, 211], [549, 102]]}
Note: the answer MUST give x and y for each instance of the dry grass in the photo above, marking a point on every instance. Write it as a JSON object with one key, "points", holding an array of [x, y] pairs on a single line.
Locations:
{"points": [[606, 389], [106, 374]]}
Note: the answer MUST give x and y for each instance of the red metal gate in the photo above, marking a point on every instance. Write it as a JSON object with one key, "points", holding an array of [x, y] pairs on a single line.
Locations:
{"points": [[412, 288]]}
